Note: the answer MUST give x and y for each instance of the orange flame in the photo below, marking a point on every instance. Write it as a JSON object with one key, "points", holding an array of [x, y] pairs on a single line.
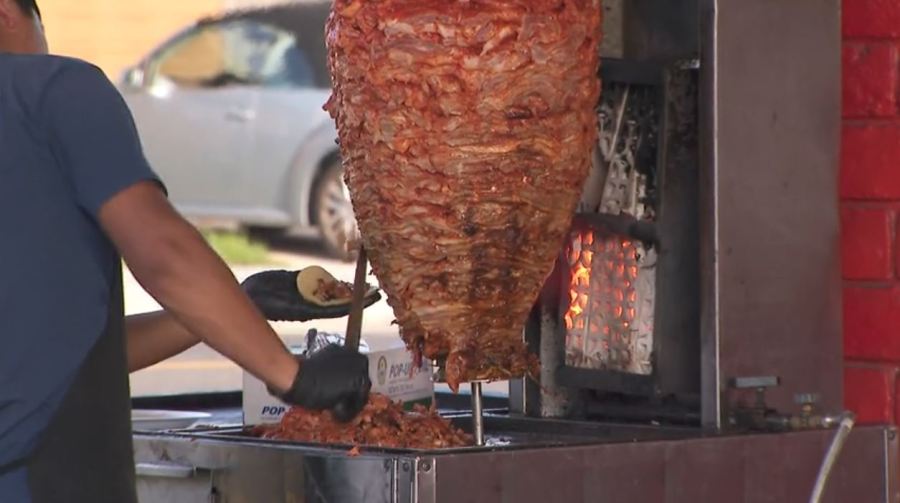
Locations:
{"points": [[601, 295], [580, 262]]}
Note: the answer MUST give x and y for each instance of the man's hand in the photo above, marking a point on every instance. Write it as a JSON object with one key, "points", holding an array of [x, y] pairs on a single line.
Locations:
{"points": [[334, 378]]}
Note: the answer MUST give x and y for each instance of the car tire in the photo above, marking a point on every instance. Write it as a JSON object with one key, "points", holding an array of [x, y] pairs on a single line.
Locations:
{"points": [[333, 211]]}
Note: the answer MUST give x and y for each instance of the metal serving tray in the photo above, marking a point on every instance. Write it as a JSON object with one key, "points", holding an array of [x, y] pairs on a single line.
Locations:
{"points": [[501, 433]]}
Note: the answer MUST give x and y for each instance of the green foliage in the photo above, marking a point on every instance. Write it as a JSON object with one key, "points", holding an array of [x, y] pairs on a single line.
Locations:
{"points": [[236, 248]]}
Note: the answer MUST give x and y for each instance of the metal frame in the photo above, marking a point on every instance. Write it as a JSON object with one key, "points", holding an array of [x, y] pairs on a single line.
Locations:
{"points": [[739, 469], [769, 305], [770, 131], [649, 76], [767, 256], [674, 234]]}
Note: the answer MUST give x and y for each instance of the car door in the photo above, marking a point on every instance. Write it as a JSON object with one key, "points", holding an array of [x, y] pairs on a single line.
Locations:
{"points": [[196, 114], [289, 110]]}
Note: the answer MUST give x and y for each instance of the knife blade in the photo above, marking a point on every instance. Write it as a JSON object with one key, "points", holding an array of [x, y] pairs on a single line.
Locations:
{"points": [[354, 322]]}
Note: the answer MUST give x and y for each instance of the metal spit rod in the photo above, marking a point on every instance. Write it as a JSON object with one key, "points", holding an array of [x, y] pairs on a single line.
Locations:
{"points": [[439, 375], [477, 413]]}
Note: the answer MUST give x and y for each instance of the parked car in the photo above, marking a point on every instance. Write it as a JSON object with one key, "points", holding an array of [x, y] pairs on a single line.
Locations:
{"points": [[230, 115]]}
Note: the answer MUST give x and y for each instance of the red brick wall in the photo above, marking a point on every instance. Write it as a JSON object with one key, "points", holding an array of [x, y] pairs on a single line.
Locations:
{"points": [[870, 203]]}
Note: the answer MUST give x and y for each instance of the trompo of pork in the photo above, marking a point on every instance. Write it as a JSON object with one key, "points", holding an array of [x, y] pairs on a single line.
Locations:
{"points": [[466, 130]]}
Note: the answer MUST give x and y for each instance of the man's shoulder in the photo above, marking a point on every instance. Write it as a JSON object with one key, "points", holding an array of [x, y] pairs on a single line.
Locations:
{"points": [[40, 70], [40, 84]]}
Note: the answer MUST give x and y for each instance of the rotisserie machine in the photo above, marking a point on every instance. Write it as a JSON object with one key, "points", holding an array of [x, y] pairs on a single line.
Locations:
{"points": [[690, 335]]}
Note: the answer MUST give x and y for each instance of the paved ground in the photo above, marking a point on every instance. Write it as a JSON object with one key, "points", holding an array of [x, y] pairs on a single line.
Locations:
{"points": [[201, 369]]}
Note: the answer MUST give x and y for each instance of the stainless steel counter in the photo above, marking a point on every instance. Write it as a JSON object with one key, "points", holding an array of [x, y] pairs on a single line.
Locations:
{"points": [[540, 461]]}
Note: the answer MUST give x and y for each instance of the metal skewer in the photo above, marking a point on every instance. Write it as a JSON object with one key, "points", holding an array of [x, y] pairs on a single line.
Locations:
{"points": [[439, 375], [477, 413]]}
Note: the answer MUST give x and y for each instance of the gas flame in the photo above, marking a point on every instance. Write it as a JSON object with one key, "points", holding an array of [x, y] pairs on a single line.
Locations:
{"points": [[580, 262], [602, 299]]}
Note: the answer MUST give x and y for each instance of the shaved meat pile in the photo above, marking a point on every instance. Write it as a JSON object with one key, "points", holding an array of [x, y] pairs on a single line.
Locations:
{"points": [[382, 423], [466, 130]]}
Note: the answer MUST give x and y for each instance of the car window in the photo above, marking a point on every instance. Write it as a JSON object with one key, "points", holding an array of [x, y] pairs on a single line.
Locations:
{"points": [[235, 53], [272, 56]]}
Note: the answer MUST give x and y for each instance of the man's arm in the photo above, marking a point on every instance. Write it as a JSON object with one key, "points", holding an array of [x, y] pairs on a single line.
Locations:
{"points": [[174, 264], [92, 135], [154, 337]]}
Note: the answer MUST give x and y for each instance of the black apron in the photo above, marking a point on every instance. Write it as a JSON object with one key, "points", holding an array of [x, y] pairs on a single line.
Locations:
{"points": [[85, 455]]}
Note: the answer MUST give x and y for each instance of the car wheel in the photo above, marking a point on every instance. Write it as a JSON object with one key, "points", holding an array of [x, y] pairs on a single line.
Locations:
{"points": [[334, 212]]}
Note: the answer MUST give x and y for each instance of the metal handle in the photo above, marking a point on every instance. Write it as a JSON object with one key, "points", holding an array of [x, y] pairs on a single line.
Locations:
{"points": [[166, 471], [754, 382], [240, 115]]}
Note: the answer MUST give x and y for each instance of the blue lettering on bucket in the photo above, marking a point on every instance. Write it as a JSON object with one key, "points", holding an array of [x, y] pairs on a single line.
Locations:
{"points": [[274, 410]]}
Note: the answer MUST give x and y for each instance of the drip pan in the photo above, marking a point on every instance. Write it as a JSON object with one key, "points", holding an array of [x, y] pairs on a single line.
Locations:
{"points": [[501, 433]]}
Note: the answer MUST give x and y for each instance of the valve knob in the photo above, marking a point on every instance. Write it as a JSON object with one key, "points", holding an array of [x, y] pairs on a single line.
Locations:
{"points": [[806, 398]]}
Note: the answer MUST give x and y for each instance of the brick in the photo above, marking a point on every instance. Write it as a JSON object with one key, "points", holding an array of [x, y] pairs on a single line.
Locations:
{"points": [[869, 392], [870, 79], [866, 243], [871, 18], [870, 161], [872, 323]]}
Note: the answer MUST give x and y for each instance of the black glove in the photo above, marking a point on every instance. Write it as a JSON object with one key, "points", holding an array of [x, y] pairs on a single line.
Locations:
{"points": [[333, 378]]}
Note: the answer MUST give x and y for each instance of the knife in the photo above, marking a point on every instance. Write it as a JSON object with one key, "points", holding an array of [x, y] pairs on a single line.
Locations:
{"points": [[354, 322]]}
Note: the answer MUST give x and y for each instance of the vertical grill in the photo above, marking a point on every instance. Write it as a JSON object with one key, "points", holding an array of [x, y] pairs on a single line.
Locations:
{"points": [[611, 275], [609, 319], [628, 279]]}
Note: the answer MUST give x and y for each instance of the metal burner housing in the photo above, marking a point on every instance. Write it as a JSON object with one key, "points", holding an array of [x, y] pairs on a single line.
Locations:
{"points": [[705, 249]]}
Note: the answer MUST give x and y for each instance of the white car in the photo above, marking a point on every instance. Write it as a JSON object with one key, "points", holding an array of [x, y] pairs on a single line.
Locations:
{"points": [[230, 115]]}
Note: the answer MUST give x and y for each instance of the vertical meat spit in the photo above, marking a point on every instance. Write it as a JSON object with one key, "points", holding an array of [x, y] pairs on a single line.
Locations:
{"points": [[477, 413], [477, 401]]}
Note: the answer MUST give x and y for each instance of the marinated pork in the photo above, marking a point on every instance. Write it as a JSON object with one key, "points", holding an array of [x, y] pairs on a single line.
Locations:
{"points": [[466, 130], [382, 423]]}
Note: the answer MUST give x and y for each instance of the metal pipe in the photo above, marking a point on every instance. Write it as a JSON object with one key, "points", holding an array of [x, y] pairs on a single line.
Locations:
{"points": [[833, 420], [837, 443], [477, 413]]}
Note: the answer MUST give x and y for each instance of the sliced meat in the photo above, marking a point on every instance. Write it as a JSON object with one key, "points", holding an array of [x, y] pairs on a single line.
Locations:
{"points": [[382, 423]]}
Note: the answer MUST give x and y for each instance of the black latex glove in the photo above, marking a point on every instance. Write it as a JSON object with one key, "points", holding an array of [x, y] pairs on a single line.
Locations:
{"points": [[275, 294], [334, 378]]}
